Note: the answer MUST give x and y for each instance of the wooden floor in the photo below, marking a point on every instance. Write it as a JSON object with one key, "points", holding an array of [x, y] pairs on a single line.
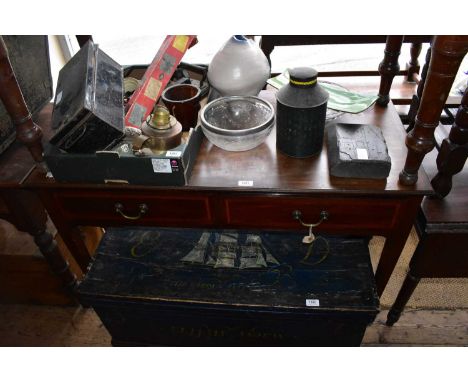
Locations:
{"points": [[29, 325]]}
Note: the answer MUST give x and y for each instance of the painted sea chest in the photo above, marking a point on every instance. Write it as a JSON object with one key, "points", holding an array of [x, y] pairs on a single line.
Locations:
{"points": [[186, 287]]}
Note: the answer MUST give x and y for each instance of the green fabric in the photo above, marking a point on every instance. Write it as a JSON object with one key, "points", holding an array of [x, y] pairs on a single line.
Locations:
{"points": [[340, 99]]}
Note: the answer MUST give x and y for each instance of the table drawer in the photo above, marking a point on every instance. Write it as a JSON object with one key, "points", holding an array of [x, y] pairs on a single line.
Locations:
{"points": [[171, 209], [347, 214]]}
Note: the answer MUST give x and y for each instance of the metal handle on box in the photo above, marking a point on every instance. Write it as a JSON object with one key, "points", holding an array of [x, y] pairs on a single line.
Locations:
{"points": [[143, 208], [324, 215]]}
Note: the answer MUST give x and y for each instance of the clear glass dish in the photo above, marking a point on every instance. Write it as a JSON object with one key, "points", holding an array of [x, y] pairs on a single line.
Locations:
{"points": [[237, 123]]}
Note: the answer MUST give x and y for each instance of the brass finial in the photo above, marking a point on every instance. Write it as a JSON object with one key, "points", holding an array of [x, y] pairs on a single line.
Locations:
{"points": [[160, 119]]}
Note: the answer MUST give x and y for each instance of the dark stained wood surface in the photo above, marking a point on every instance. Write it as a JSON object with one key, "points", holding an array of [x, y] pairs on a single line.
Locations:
{"points": [[275, 172], [16, 162], [269, 169], [389, 67], [282, 183], [413, 65], [453, 152], [287, 40], [442, 227], [24, 209], [446, 57]]}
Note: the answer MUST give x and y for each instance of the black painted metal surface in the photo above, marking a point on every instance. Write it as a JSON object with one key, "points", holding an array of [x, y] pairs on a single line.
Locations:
{"points": [[189, 287], [88, 113]]}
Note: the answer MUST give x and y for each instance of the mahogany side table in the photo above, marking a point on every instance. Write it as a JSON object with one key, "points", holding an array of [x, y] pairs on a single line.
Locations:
{"points": [[280, 185]]}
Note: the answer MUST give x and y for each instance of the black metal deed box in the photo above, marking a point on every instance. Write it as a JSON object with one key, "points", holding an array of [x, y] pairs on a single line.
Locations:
{"points": [[120, 165], [213, 288], [88, 113]]}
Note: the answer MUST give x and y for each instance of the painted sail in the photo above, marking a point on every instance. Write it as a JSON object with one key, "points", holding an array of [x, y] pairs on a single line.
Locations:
{"points": [[197, 254], [252, 255], [225, 250]]}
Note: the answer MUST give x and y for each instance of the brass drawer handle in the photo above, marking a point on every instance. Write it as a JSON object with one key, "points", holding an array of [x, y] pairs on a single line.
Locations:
{"points": [[143, 210], [324, 215]]}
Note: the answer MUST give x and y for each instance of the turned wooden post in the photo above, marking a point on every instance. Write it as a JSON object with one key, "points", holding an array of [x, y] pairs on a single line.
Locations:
{"points": [[27, 214], [447, 54], [413, 65], [389, 68], [267, 46], [453, 151], [416, 100], [27, 131]]}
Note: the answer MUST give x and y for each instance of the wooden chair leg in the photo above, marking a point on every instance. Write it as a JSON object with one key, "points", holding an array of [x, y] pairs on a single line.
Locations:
{"points": [[389, 67], [416, 100], [407, 289], [27, 131], [453, 151], [413, 66], [267, 47], [447, 54]]}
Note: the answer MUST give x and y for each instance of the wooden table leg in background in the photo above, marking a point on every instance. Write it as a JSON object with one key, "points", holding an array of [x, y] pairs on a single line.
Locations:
{"points": [[25, 209], [70, 234], [413, 66], [447, 55], [389, 68], [27, 214], [453, 151]]}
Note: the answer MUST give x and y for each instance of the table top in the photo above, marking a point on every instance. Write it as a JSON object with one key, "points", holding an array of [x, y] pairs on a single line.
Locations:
{"points": [[272, 171]]}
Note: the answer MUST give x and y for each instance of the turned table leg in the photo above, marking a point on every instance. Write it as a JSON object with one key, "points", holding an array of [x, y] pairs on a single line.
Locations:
{"points": [[413, 65], [70, 234], [27, 214], [389, 68], [447, 54], [27, 131], [453, 151]]}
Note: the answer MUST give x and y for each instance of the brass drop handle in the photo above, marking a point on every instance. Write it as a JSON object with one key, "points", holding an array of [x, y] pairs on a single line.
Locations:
{"points": [[143, 208], [324, 215]]}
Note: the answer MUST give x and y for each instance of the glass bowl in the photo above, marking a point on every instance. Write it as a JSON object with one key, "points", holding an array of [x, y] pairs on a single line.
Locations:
{"points": [[237, 123]]}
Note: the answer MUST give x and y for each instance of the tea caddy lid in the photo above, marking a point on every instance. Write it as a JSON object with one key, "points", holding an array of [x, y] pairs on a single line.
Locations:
{"points": [[303, 90], [303, 76]]}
